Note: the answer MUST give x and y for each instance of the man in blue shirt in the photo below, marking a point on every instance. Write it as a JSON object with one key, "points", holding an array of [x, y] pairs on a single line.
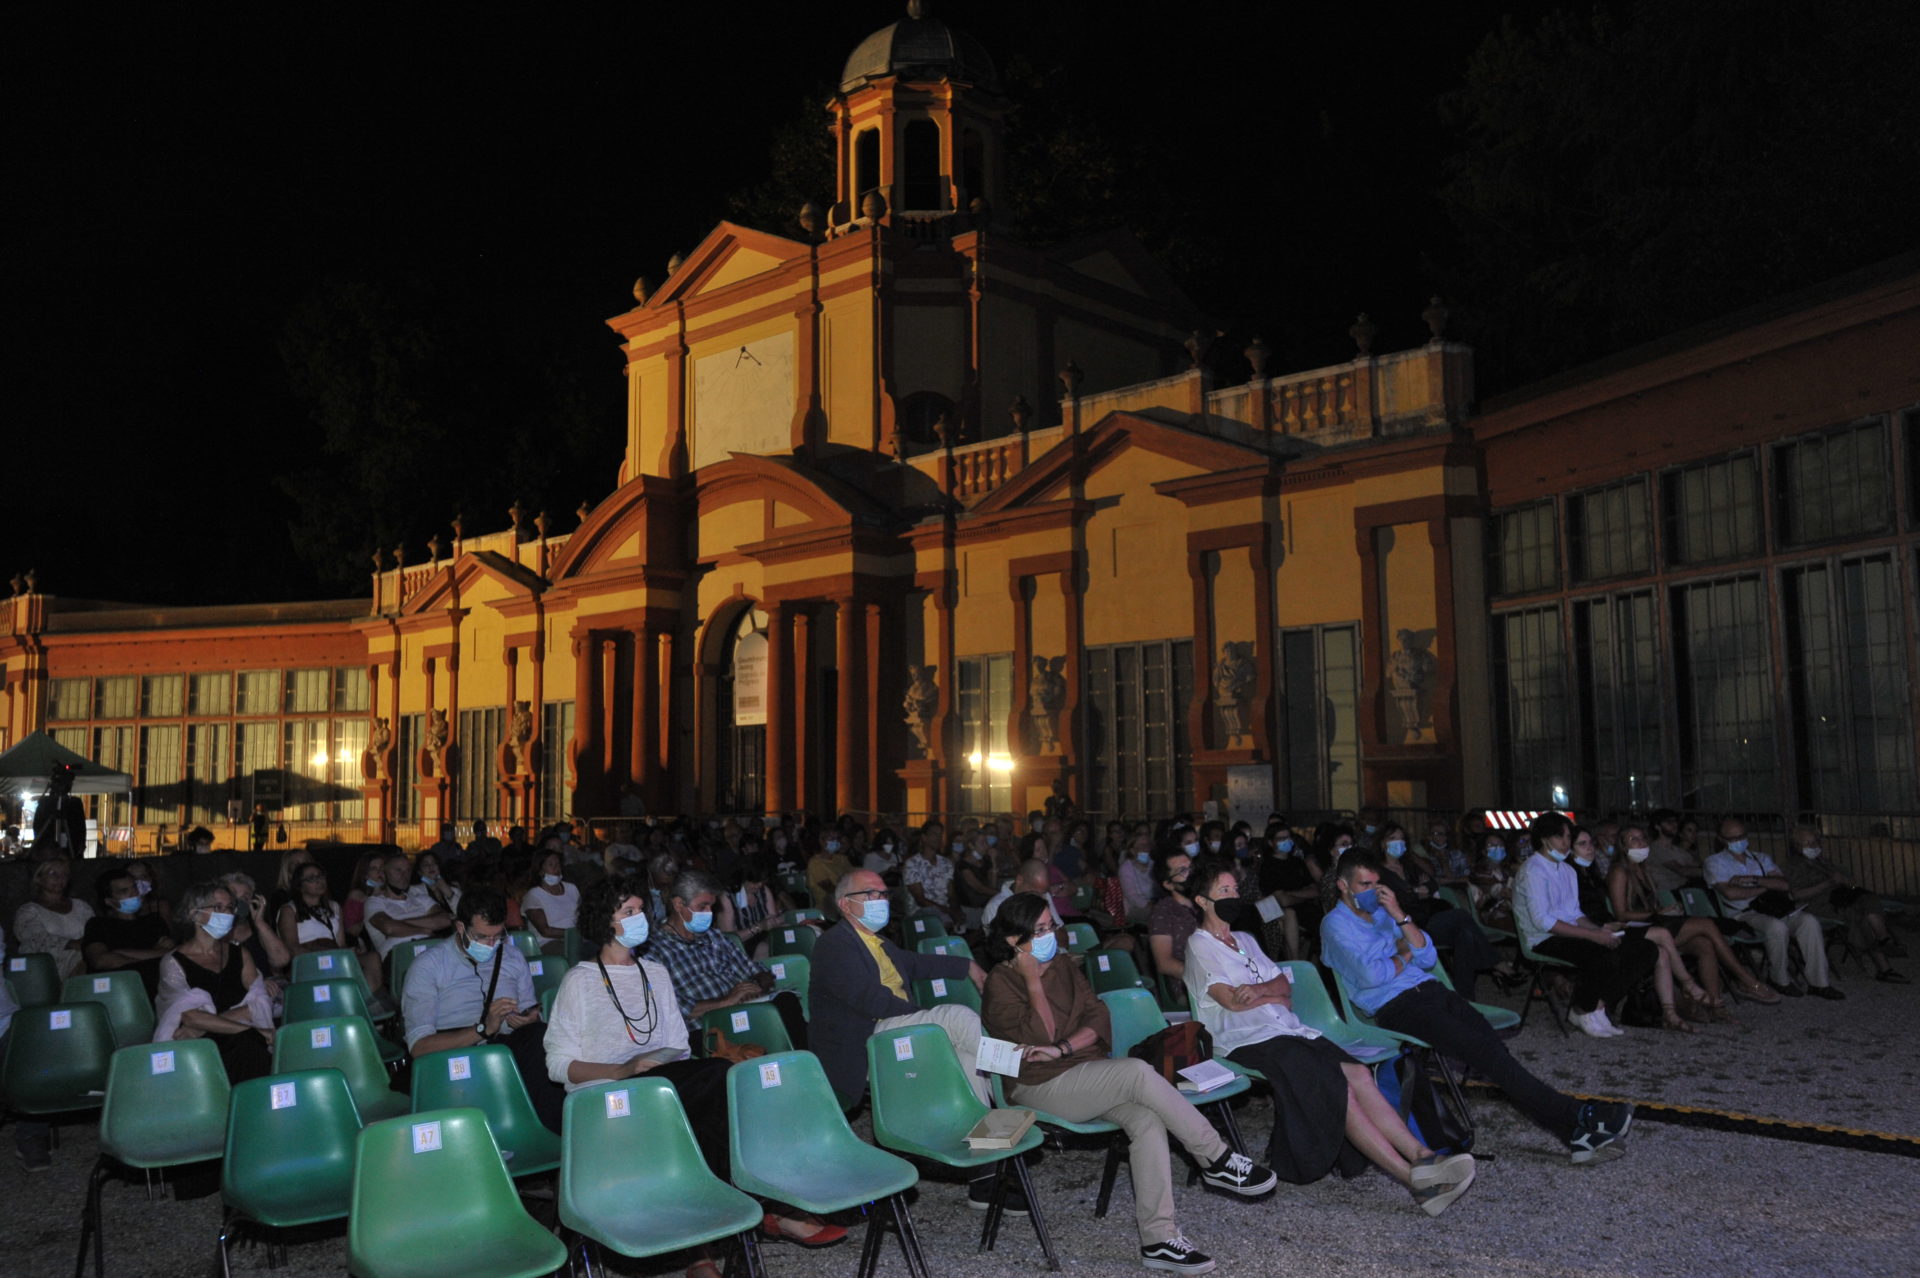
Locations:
{"points": [[1386, 964]]}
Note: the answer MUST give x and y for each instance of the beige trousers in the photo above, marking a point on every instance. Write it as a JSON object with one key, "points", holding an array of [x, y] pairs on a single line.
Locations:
{"points": [[1132, 1093]]}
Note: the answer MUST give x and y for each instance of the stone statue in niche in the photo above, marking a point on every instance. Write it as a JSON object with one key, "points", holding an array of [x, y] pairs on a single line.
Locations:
{"points": [[1409, 679], [1046, 697], [1234, 678], [520, 740], [923, 698], [437, 741], [379, 742]]}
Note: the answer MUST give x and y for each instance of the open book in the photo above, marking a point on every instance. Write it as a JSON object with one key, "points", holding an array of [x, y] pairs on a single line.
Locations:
{"points": [[1205, 1076], [1000, 1129]]}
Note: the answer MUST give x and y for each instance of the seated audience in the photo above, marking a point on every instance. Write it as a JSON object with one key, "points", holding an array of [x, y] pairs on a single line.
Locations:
{"points": [[1386, 963], [1547, 913], [708, 970], [1326, 1107], [143, 880], [1823, 885], [1754, 892], [1064, 1034], [1634, 902], [401, 909], [1173, 917], [210, 988], [253, 931], [52, 922], [552, 905], [1672, 862], [311, 921], [128, 933]]}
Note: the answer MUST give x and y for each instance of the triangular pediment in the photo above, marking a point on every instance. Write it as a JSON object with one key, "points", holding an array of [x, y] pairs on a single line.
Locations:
{"points": [[458, 579], [730, 253], [1118, 260], [1049, 476]]}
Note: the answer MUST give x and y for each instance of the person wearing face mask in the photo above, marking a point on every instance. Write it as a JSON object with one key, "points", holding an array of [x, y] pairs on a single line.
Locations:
{"points": [[708, 970], [1828, 891], [617, 1015], [1173, 917], [973, 884], [928, 873], [126, 933], [552, 905], [1384, 961], [1546, 910], [369, 876], [1328, 1111], [401, 909], [883, 854], [1492, 882], [1285, 876], [210, 988], [1046, 1005], [473, 987], [1415, 881], [143, 882], [1136, 877], [824, 868], [1635, 903], [1753, 891]]}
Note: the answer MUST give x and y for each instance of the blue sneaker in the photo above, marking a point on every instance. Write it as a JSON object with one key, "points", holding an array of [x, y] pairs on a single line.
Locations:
{"points": [[1602, 1132]]}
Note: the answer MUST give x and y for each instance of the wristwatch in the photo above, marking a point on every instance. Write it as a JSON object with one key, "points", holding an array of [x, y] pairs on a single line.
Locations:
{"points": [[1405, 921], [480, 1028]]}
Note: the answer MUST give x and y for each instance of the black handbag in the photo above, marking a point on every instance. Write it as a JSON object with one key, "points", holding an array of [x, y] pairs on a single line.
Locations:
{"points": [[1426, 1102]]}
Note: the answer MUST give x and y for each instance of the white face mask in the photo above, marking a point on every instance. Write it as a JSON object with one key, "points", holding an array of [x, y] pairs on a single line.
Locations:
{"points": [[1811, 853], [551, 880], [1637, 855]]}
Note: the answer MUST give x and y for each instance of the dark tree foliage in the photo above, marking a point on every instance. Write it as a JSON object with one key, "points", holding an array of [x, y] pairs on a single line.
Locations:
{"points": [[1623, 171]]}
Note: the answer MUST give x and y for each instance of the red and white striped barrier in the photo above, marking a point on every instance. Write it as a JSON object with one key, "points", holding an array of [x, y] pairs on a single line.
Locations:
{"points": [[1515, 820]]}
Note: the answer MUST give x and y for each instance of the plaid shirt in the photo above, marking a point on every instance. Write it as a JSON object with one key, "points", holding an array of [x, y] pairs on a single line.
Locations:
{"points": [[703, 968]]}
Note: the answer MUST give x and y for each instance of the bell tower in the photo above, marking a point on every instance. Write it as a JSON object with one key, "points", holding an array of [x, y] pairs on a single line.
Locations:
{"points": [[917, 130]]}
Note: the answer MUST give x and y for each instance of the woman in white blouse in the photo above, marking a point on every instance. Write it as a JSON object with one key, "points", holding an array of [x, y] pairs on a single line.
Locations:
{"points": [[615, 1016], [1326, 1104], [52, 922], [552, 905]]}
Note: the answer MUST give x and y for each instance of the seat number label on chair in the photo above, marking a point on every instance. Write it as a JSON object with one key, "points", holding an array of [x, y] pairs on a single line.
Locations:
{"points": [[740, 1022], [940, 948], [101, 984], [1106, 964], [59, 1020], [162, 1062], [321, 994], [326, 963], [770, 1074], [537, 967], [284, 1096], [322, 1036], [619, 1103], [903, 1049], [779, 971], [16, 965], [939, 987], [426, 1137], [788, 934], [460, 1067], [919, 925]]}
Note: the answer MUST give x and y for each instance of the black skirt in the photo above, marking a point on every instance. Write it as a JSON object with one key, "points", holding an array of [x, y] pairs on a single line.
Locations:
{"points": [[1309, 1106]]}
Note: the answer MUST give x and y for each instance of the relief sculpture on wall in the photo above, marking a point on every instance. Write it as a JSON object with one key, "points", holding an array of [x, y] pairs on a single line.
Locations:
{"points": [[1234, 679], [520, 740], [923, 698], [1409, 681], [1045, 699]]}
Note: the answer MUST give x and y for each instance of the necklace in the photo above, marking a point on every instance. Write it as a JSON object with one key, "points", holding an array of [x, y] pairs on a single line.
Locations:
{"points": [[651, 1020]]}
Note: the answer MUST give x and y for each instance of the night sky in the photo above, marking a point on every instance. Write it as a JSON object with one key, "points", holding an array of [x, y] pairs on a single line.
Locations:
{"points": [[181, 177]]}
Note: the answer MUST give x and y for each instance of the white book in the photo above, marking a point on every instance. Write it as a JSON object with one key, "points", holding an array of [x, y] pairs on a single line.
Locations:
{"points": [[1269, 907], [1206, 1076], [998, 1056]]}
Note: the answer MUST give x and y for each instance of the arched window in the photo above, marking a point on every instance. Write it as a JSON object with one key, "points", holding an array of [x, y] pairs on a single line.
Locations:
{"points": [[866, 164], [921, 158]]}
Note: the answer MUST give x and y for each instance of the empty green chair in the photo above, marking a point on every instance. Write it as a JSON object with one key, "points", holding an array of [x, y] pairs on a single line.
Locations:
{"points": [[923, 1107], [34, 979], [792, 940], [788, 918], [795, 887], [57, 1058], [323, 1000], [485, 1078], [123, 994], [431, 1197], [1135, 1016], [921, 926], [788, 1141], [402, 957], [289, 1152], [1081, 898], [570, 945], [794, 972], [1113, 970], [1081, 937], [166, 1106], [757, 1023], [949, 946], [345, 1043], [547, 971], [633, 1180], [943, 989], [527, 941], [329, 965]]}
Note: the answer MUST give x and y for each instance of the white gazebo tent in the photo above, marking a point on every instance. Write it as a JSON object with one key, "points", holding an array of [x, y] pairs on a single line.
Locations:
{"points": [[26, 768]]}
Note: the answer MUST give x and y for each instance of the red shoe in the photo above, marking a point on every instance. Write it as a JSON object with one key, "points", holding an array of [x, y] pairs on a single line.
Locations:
{"points": [[824, 1236]]}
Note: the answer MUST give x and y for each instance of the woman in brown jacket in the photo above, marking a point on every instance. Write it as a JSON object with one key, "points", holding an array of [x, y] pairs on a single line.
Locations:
{"points": [[1043, 1002]]}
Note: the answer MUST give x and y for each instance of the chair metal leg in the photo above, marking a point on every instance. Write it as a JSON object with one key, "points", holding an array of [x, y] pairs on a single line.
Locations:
{"points": [[90, 1227], [1108, 1175], [909, 1237], [1232, 1125], [1033, 1211], [1453, 1089], [750, 1252], [990, 1228], [870, 1246]]}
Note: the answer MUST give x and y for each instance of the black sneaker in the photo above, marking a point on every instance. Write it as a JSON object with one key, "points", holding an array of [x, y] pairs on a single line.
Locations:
{"points": [[1013, 1202], [1178, 1255], [1238, 1174], [1602, 1132], [1825, 991], [1789, 990]]}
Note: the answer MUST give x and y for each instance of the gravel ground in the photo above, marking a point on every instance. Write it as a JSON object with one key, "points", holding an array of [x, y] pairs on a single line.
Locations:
{"points": [[1682, 1201]]}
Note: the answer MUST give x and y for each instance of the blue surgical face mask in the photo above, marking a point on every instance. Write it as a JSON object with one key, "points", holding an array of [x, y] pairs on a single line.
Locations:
{"points": [[633, 931], [218, 925], [1144, 858], [1555, 853], [831, 845], [1367, 901], [1496, 854], [1736, 845], [551, 880], [128, 904], [874, 914], [1396, 848], [700, 921], [1285, 845], [1583, 861], [1045, 946], [479, 952]]}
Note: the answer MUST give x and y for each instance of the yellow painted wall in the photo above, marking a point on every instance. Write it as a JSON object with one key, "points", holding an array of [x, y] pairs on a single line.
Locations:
{"points": [[847, 373]]}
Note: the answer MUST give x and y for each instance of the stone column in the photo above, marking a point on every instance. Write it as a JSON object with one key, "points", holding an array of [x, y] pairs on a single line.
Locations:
{"points": [[846, 773]]}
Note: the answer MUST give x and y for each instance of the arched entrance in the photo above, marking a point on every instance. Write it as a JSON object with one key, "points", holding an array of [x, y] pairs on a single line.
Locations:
{"points": [[741, 715]]}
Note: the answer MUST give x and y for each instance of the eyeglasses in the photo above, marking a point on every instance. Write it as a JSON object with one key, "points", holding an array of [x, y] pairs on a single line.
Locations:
{"points": [[868, 895]]}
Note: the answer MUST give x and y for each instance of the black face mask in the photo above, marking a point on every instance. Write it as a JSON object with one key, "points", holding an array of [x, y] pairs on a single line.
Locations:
{"points": [[1236, 913]]}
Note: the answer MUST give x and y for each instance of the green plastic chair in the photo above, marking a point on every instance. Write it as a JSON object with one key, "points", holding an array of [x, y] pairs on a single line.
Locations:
{"points": [[922, 926], [789, 918], [794, 972], [758, 1023], [34, 979], [527, 941], [792, 940], [431, 1197], [1501, 1018], [402, 957], [329, 965], [923, 1107], [1081, 898], [570, 945], [123, 994], [166, 1106], [547, 971], [950, 946], [57, 1058], [795, 887], [323, 1000], [1367, 1044], [1116, 1139], [289, 1153], [485, 1078], [1357, 1017], [932, 992], [632, 1178], [788, 1141], [1535, 965], [1081, 938], [1135, 1016], [1113, 970], [344, 1043], [546, 1002]]}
